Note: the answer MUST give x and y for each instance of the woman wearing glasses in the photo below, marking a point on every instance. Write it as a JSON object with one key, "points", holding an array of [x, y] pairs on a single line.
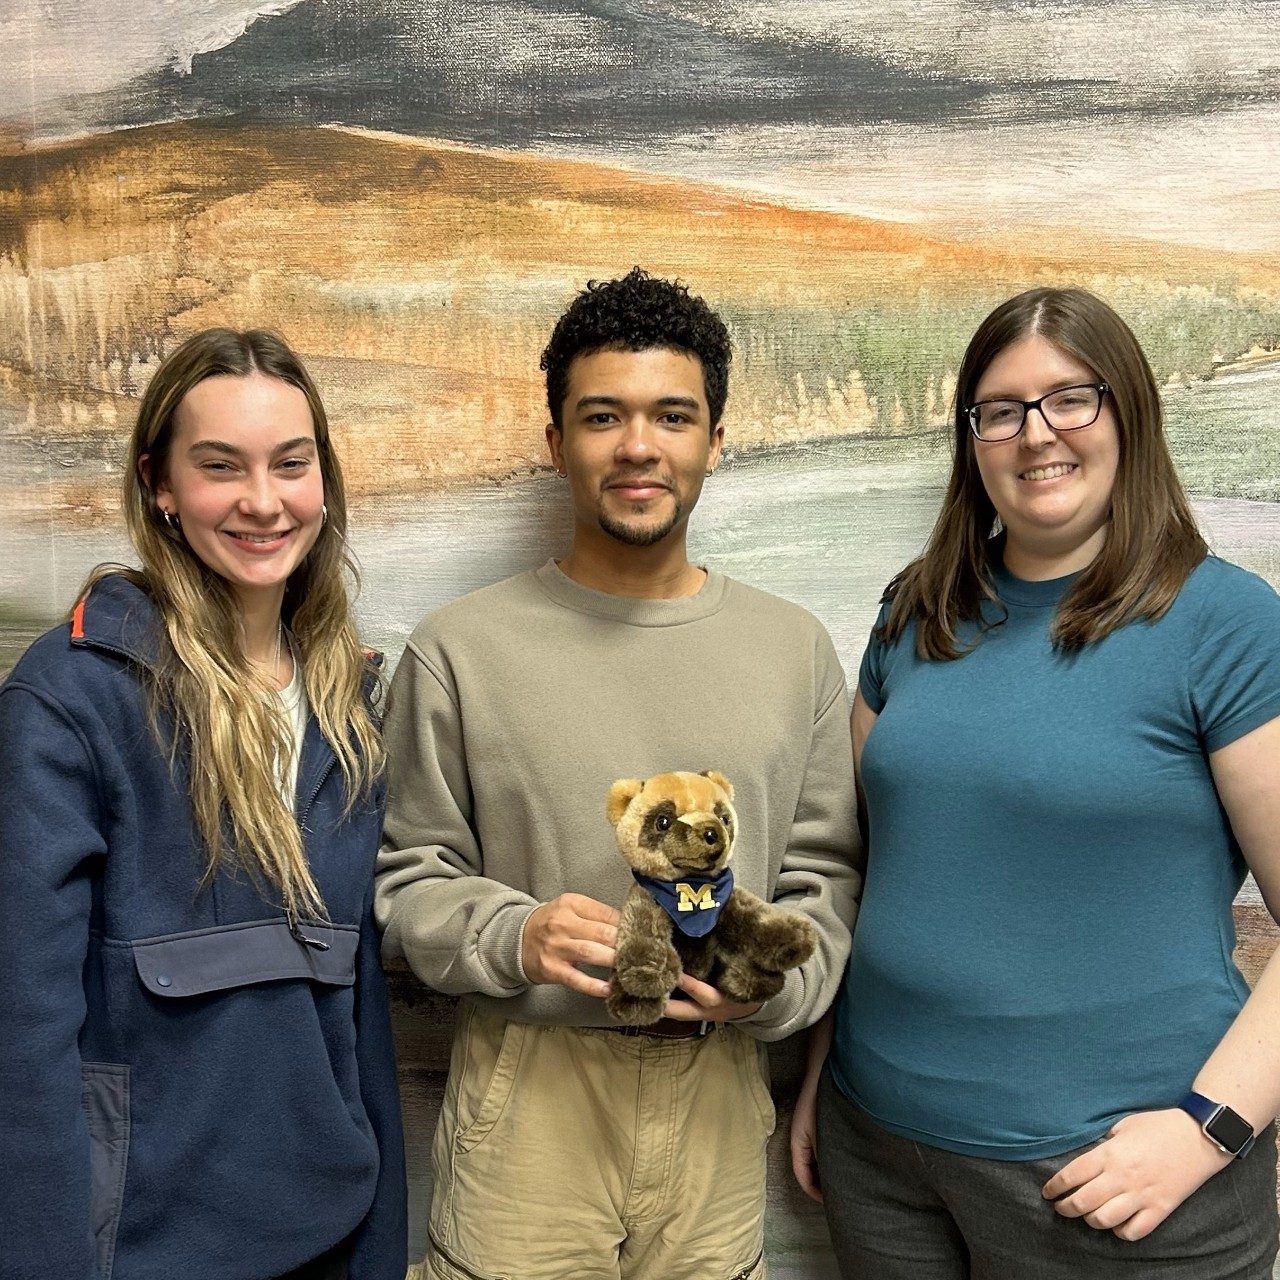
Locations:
{"points": [[1067, 728], [197, 1074]]}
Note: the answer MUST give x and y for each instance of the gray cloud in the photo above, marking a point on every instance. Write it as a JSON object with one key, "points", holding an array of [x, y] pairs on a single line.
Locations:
{"points": [[617, 72], [63, 48]]}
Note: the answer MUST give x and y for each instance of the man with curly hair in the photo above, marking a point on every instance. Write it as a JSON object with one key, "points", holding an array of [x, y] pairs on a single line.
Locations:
{"points": [[568, 1145]]}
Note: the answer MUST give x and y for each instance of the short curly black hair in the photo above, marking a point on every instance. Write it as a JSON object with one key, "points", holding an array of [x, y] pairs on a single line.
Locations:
{"points": [[638, 312]]}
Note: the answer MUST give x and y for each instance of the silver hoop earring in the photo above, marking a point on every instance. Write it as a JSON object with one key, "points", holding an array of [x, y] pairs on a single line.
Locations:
{"points": [[711, 473], [171, 521], [324, 515]]}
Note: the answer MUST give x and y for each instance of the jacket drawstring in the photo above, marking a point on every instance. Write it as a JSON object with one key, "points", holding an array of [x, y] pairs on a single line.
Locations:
{"points": [[303, 939]]}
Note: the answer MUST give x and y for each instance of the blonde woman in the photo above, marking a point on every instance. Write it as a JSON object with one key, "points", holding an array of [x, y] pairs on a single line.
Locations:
{"points": [[197, 1074]]}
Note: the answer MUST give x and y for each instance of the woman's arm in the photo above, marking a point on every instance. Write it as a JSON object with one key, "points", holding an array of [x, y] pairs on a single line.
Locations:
{"points": [[804, 1119], [1244, 1070], [804, 1138], [1154, 1160], [860, 725], [50, 839]]}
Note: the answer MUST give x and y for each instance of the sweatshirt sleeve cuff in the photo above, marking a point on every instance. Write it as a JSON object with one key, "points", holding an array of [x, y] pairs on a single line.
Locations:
{"points": [[779, 1016], [501, 943]]}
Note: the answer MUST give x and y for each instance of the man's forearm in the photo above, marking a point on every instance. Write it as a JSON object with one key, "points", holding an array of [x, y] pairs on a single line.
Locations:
{"points": [[459, 935]]}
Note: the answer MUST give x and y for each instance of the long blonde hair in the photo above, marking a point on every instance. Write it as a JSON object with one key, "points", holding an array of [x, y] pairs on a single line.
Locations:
{"points": [[1152, 541], [233, 736]]}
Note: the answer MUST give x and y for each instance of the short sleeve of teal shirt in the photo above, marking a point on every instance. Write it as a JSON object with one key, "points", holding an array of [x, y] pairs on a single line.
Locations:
{"points": [[1045, 937], [871, 672], [1235, 674]]}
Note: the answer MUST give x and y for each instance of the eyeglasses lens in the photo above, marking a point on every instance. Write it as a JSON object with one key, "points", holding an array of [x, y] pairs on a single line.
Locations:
{"points": [[997, 419], [1064, 410]]}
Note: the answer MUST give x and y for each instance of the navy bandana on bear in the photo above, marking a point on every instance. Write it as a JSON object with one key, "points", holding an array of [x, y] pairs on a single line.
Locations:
{"points": [[692, 902]]}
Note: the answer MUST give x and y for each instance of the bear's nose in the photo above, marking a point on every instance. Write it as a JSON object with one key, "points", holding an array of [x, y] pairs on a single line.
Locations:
{"points": [[709, 833], [705, 828]]}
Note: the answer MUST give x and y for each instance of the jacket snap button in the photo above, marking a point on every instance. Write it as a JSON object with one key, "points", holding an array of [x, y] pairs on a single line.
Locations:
{"points": [[164, 980]]}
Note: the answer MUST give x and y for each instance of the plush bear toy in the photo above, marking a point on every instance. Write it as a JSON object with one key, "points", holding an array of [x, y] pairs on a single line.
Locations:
{"points": [[676, 831]]}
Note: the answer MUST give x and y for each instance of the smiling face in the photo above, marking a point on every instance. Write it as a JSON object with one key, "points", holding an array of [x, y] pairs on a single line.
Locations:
{"points": [[1052, 491], [243, 477], [636, 443]]}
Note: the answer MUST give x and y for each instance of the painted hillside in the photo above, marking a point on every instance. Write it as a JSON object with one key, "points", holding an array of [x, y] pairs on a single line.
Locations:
{"points": [[420, 279]]}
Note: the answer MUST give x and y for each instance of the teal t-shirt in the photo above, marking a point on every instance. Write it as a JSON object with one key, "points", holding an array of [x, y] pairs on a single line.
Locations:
{"points": [[1045, 937]]}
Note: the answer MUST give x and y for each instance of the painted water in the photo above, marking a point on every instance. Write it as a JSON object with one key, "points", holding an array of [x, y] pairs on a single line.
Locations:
{"points": [[826, 524]]}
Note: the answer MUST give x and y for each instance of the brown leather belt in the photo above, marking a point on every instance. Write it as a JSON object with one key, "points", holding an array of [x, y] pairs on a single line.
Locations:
{"points": [[668, 1029]]}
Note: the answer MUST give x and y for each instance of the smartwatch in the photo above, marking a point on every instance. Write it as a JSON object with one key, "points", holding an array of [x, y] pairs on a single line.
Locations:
{"points": [[1227, 1130]]}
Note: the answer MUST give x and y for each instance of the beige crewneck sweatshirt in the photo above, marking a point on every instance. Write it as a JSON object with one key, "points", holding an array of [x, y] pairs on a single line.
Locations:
{"points": [[513, 710]]}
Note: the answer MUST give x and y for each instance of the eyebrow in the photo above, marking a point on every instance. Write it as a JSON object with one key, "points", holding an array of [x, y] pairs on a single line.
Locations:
{"points": [[1060, 385], [221, 446], [668, 402]]}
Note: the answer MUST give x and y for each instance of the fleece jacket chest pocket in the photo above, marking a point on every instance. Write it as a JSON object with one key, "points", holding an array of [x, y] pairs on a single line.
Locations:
{"points": [[238, 955]]}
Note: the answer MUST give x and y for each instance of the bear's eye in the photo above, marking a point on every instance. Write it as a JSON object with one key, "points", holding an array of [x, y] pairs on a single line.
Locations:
{"points": [[662, 822]]}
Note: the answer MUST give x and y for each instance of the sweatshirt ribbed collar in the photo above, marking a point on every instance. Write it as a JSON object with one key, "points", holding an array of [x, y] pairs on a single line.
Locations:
{"points": [[632, 610]]}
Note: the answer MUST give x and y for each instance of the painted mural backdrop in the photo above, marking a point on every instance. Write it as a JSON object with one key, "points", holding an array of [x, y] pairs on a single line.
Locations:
{"points": [[412, 192]]}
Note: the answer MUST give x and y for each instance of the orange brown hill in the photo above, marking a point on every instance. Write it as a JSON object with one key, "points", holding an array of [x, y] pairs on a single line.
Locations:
{"points": [[420, 280], [522, 211]]}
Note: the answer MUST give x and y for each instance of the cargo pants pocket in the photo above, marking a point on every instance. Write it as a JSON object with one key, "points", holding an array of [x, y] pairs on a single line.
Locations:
{"points": [[482, 1070], [104, 1096], [753, 1057], [491, 1099]]}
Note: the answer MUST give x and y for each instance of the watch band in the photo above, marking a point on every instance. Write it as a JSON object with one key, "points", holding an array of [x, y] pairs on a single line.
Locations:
{"points": [[1226, 1129]]}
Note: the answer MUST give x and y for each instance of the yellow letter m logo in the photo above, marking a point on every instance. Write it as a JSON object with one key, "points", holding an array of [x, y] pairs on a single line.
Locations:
{"points": [[700, 898]]}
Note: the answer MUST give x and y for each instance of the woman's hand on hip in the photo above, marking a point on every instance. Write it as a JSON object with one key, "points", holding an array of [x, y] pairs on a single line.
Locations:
{"points": [[1132, 1181]]}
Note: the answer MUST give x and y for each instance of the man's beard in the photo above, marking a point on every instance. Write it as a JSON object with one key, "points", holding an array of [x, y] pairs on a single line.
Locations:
{"points": [[644, 535]]}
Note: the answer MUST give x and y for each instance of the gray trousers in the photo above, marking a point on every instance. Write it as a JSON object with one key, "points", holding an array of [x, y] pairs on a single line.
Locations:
{"points": [[900, 1210]]}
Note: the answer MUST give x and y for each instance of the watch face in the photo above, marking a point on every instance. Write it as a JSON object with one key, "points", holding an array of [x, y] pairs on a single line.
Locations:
{"points": [[1228, 1130]]}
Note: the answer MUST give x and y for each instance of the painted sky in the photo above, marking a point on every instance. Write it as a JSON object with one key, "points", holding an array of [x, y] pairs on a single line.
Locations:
{"points": [[1154, 117], [669, 55], [55, 52]]}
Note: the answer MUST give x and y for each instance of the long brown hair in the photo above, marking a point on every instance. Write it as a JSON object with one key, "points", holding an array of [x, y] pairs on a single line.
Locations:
{"points": [[1152, 542], [233, 735]]}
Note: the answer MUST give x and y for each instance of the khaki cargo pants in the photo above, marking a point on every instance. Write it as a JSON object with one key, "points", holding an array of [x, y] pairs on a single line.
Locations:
{"points": [[576, 1153]]}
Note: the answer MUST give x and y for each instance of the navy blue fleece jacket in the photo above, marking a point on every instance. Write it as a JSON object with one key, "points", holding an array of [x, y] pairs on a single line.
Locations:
{"points": [[185, 1088]]}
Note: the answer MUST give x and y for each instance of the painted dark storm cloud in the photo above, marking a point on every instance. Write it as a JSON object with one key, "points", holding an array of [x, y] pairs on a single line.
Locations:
{"points": [[609, 72]]}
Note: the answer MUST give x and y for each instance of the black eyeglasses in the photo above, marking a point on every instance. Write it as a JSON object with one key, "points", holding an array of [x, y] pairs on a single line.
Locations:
{"points": [[1067, 409]]}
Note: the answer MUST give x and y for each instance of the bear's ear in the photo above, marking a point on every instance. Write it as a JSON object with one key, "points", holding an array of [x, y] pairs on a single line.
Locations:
{"points": [[720, 780], [621, 794]]}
